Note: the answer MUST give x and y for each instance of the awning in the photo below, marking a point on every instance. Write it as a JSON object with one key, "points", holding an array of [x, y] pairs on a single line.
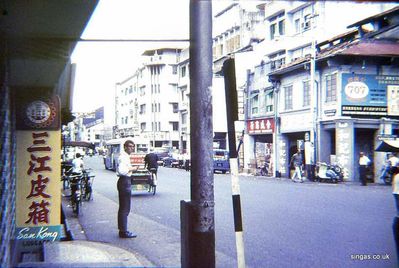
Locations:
{"points": [[388, 146], [79, 144]]}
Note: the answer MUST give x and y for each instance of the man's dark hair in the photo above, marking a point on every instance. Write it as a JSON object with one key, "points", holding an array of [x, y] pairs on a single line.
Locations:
{"points": [[78, 155], [127, 142]]}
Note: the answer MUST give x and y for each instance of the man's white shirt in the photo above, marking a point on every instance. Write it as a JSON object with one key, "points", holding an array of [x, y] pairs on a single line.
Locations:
{"points": [[124, 165]]}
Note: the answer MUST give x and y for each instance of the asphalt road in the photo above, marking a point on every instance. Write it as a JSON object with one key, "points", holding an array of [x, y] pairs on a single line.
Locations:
{"points": [[285, 224]]}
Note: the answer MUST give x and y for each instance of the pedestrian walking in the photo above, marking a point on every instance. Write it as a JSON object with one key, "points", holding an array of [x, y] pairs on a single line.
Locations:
{"points": [[124, 184], [297, 161], [364, 162]]}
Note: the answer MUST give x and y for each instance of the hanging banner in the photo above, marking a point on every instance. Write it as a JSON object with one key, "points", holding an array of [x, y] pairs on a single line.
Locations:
{"points": [[38, 193]]}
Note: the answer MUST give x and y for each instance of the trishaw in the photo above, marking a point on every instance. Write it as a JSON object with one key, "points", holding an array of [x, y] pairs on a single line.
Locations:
{"points": [[142, 179]]}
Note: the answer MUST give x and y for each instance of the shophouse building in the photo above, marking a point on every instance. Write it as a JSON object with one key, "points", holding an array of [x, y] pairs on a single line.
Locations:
{"points": [[320, 118], [284, 111], [147, 103]]}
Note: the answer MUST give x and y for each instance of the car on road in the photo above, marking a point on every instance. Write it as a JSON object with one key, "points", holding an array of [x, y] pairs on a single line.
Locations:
{"points": [[221, 160], [170, 162]]}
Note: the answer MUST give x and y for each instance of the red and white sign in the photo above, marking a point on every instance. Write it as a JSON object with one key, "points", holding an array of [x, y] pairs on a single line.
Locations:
{"points": [[261, 126]]}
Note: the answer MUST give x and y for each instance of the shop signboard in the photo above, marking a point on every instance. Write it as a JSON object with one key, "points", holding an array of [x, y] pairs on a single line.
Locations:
{"points": [[38, 194], [344, 139], [260, 126], [373, 96]]}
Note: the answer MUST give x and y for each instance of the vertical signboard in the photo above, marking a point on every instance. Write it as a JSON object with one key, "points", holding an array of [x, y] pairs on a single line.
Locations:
{"points": [[282, 147], [38, 194], [344, 146]]}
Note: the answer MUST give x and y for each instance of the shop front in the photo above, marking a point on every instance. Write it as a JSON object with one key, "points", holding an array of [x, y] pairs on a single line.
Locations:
{"points": [[295, 133], [261, 133]]}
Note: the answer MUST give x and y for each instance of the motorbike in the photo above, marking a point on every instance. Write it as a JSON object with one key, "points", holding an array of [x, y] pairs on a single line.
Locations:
{"points": [[387, 174], [329, 173]]}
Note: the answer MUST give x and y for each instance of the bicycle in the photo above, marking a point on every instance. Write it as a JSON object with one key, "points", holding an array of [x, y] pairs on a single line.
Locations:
{"points": [[87, 185], [66, 170], [75, 182], [153, 185]]}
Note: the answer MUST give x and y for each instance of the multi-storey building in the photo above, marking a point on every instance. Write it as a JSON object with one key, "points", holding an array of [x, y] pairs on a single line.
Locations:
{"points": [[288, 110], [147, 103], [184, 101]]}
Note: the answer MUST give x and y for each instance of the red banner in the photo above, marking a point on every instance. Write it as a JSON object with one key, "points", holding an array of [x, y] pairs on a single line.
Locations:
{"points": [[261, 126]]}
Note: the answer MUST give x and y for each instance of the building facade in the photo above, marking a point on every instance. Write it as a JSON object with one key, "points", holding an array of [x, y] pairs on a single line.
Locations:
{"points": [[288, 111], [147, 103]]}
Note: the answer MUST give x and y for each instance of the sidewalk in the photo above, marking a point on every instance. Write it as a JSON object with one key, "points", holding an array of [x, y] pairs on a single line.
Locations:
{"points": [[79, 252]]}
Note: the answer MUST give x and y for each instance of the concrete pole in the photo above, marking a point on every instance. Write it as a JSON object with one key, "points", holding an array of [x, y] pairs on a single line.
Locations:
{"points": [[197, 216]]}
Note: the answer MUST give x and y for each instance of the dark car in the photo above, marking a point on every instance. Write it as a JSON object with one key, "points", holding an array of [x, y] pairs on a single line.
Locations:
{"points": [[170, 162]]}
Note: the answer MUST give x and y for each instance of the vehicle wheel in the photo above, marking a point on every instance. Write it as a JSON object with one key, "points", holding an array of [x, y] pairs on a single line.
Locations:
{"points": [[75, 204], [388, 180], [89, 192], [77, 211], [65, 183]]}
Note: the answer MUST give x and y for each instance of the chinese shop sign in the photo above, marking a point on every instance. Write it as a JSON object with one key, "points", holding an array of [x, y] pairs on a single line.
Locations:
{"points": [[38, 200], [260, 126]]}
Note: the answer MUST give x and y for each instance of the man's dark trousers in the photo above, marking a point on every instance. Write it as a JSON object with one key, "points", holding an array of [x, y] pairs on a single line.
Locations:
{"points": [[124, 190], [362, 174]]}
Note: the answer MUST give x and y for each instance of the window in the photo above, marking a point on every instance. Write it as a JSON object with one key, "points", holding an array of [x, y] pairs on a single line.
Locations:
{"points": [[184, 119], [269, 101], [331, 87], [174, 69], [142, 126], [183, 71], [306, 93], [142, 109], [288, 97], [277, 60], [297, 26], [277, 26], [254, 104], [175, 126], [175, 107]]}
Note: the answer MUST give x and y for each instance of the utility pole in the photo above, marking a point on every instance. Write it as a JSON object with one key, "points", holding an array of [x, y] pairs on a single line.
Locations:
{"points": [[197, 215]]}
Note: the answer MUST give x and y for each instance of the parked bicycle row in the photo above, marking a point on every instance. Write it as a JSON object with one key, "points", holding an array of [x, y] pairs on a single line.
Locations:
{"points": [[78, 181]]}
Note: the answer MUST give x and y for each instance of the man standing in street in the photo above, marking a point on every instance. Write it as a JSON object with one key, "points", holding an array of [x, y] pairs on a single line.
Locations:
{"points": [[364, 161], [124, 184], [297, 161]]}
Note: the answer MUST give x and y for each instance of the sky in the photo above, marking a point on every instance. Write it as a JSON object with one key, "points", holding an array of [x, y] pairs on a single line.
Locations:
{"points": [[100, 65]]}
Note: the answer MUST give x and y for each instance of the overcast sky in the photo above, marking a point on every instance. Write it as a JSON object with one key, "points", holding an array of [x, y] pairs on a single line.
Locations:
{"points": [[100, 65]]}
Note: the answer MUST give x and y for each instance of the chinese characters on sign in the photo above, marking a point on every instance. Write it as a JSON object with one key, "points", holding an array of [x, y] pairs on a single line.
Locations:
{"points": [[370, 95], [37, 167], [344, 139], [38, 201], [260, 126]]}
